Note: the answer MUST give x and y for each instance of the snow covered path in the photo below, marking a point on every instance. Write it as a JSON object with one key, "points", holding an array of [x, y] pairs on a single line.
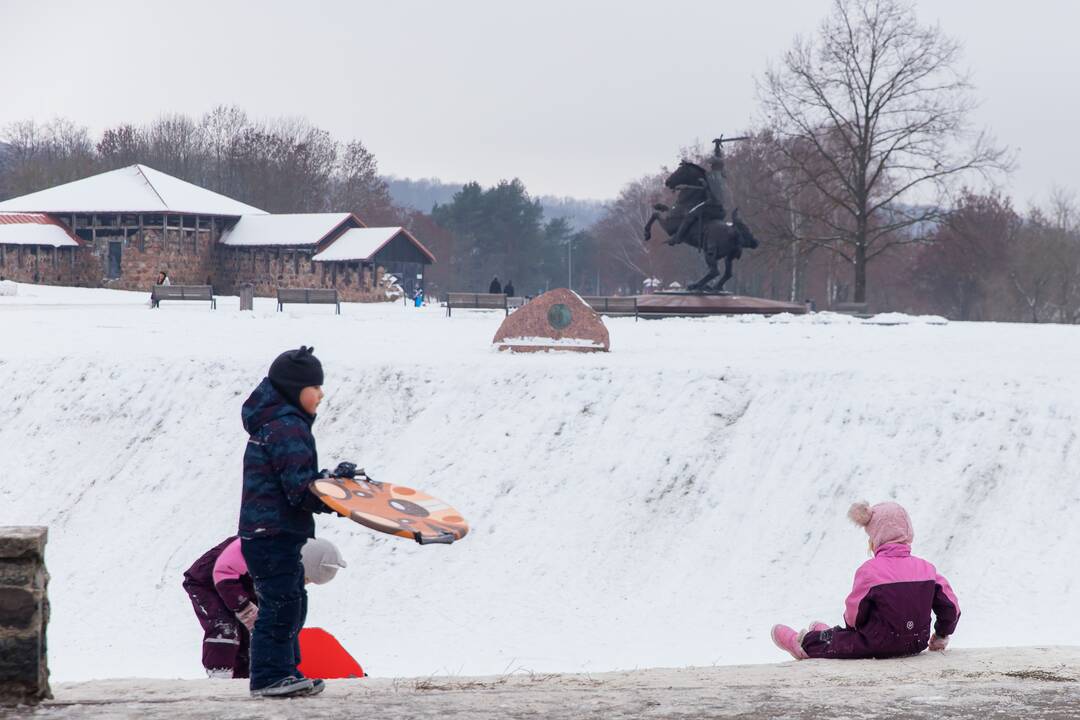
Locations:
{"points": [[660, 505], [959, 685]]}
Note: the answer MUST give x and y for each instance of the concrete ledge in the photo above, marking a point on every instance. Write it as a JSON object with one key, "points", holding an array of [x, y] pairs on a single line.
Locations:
{"points": [[985, 684]]}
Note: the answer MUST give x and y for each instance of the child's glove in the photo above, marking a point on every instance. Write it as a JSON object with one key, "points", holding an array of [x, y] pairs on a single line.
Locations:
{"points": [[938, 644], [345, 470], [247, 615]]}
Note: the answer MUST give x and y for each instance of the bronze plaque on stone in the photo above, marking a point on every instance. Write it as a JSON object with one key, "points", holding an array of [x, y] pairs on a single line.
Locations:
{"points": [[556, 320]]}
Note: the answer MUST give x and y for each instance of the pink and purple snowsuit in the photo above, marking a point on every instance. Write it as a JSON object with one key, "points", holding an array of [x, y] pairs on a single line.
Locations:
{"points": [[219, 586], [888, 611]]}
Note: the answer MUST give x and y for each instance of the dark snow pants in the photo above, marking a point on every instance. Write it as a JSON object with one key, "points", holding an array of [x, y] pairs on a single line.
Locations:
{"points": [[274, 564], [842, 643], [225, 639]]}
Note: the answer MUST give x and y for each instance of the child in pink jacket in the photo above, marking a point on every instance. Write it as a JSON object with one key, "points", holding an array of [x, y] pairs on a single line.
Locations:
{"points": [[888, 611], [223, 596]]}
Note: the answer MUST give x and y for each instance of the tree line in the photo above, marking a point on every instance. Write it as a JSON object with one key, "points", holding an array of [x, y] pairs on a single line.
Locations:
{"points": [[288, 165], [865, 181]]}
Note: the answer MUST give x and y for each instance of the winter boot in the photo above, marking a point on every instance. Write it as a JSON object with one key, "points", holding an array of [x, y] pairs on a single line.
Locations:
{"points": [[789, 641], [317, 686], [818, 626], [288, 687]]}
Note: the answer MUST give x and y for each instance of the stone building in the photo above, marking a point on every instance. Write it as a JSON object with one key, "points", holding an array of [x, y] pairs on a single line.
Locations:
{"points": [[120, 228]]}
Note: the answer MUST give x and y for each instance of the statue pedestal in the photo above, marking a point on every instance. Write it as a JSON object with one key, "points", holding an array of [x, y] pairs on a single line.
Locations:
{"points": [[669, 304]]}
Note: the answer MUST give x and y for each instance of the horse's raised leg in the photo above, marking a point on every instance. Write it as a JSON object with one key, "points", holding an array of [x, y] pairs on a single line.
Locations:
{"points": [[648, 225]]}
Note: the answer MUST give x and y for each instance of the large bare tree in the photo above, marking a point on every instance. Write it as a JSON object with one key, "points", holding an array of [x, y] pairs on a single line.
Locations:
{"points": [[874, 114]]}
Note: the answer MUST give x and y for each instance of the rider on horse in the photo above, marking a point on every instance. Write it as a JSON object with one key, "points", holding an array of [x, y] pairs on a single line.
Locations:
{"points": [[706, 202]]}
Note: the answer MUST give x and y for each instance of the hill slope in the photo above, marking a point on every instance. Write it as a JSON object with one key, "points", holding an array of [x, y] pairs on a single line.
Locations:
{"points": [[661, 505]]}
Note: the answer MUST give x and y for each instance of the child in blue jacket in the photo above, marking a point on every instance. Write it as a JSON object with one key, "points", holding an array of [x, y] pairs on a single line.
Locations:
{"points": [[276, 516]]}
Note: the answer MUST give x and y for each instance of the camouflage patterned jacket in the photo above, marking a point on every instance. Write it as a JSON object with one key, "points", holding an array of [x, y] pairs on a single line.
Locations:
{"points": [[279, 464]]}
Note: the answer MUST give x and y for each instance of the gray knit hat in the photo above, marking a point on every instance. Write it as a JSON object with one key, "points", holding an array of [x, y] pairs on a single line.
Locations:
{"points": [[321, 560]]}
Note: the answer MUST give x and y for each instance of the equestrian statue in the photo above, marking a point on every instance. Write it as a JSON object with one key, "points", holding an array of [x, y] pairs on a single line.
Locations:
{"points": [[698, 217]]}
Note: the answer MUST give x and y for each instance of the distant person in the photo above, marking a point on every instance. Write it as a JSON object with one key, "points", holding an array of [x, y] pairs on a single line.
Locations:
{"points": [[509, 289], [418, 297], [888, 611], [223, 595], [495, 288], [162, 281]]}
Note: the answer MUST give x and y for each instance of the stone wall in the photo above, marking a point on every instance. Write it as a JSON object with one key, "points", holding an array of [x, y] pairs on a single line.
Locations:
{"points": [[267, 269], [44, 265], [190, 258], [24, 614], [187, 256]]}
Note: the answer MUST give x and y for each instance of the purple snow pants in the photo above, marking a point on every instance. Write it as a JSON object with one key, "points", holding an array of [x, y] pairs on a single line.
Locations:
{"points": [[225, 639], [842, 643]]}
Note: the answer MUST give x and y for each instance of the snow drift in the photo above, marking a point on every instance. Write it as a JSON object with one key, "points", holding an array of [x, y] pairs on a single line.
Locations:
{"points": [[661, 505]]}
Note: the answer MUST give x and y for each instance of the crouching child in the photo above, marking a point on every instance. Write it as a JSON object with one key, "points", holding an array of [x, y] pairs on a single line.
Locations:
{"points": [[223, 596]]}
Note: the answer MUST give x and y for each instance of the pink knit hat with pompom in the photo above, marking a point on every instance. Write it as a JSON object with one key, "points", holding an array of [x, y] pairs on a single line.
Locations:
{"points": [[885, 522]]}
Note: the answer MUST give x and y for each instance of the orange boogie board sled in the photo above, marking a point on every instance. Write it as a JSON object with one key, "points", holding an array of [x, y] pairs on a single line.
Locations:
{"points": [[393, 509]]}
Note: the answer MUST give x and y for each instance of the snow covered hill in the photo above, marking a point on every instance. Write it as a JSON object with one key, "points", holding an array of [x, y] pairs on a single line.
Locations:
{"points": [[661, 505]]}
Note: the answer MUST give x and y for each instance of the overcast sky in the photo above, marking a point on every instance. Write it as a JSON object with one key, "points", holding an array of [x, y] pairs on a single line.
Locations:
{"points": [[574, 97]]}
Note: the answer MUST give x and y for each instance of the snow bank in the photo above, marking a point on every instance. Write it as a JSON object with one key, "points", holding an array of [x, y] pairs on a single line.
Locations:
{"points": [[659, 505]]}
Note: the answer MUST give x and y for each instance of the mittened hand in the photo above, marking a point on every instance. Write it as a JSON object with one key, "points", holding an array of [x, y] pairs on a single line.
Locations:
{"points": [[247, 615], [937, 644], [345, 470]]}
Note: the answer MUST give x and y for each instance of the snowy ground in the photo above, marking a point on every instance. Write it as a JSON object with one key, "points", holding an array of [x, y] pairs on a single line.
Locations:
{"points": [[959, 685], [660, 505]]}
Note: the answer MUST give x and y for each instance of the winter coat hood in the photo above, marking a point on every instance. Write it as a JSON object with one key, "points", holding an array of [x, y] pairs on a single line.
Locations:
{"points": [[265, 404]]}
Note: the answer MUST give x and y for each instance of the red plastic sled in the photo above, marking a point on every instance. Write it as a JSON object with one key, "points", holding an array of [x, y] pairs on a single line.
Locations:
{"points": [[322, 656]]}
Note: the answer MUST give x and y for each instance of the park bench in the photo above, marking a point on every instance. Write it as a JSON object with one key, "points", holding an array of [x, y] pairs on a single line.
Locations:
{"points": [[860, 310], [476, 301], [204, 293], [614, 306], [308, 296]]}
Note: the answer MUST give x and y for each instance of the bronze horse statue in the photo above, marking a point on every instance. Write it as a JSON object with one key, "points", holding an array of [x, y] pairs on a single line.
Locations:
{"points": [[698, 220]]}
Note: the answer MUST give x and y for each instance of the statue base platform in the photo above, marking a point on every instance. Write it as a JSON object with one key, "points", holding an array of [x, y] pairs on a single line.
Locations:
{"points": [[672, 304]]}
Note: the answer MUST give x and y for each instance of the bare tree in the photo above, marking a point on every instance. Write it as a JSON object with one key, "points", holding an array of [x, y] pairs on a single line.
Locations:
{"points": [[42, 155], [357, 187], [879, 102], [619, 231], [221, 130]]}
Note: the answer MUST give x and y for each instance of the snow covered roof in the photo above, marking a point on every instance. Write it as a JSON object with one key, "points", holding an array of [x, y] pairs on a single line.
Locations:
{"points": [[363, 243], [133, 189], [287, 229], [34, 229]]}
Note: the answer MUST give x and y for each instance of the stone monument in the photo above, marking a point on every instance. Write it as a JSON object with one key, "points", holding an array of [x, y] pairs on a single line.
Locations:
{"points": [[557, 320]]}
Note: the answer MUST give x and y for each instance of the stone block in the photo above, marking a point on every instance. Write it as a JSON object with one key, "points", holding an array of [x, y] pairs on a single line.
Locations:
{"points": [[22, 542], [20, 572], [557, 320], [21, 659], [18, 607]]}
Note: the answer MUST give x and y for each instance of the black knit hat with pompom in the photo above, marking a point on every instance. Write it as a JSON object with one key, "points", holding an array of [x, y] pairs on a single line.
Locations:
{"points": [[294, 370]]}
